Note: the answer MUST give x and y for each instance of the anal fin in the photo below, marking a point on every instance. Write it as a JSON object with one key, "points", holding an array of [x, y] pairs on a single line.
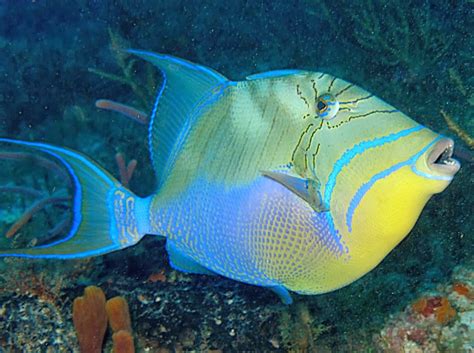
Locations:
{"points": [[283, 294], [184, 263]]}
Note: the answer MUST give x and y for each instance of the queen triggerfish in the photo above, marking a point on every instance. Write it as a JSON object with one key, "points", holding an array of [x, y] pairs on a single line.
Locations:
{"points": [[292, 180]]}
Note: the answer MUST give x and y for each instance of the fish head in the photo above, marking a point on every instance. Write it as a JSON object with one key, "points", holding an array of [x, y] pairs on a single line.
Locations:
{"points": [[376, 167]]}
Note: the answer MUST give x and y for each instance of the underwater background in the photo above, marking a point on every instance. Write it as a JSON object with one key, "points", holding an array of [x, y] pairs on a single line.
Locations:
{"points": [[58, 57]]}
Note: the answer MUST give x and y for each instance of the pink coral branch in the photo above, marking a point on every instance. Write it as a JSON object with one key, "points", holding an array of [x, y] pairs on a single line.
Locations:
{"points": [[41, 161], [59, 228], [123, 109], [21, 190], [126, 171], [131, 168], [30, 212]]}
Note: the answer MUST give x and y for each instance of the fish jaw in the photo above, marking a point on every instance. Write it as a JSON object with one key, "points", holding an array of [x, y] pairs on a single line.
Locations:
{"points": [[439, 159], [436, 166]]}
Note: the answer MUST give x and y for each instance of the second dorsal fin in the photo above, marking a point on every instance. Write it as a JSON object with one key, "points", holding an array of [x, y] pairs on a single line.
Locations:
{"points": [[185, 85]]}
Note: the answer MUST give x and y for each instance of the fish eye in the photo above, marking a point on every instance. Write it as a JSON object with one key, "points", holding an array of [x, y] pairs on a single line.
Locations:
{"points": [[327, 106]]}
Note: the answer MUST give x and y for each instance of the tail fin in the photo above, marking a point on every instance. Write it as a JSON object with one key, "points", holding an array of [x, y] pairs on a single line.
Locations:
{"points": [[106, 216]]}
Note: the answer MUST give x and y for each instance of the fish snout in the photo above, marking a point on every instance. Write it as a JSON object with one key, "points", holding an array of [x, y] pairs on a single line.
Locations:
{"points": [[440, 160]]}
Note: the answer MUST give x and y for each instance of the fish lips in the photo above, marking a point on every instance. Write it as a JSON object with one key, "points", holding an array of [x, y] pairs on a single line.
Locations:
{"points": [[440, 159]]}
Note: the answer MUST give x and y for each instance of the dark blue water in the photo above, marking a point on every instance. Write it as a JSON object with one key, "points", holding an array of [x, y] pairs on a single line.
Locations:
{"points": [[58, 57]]}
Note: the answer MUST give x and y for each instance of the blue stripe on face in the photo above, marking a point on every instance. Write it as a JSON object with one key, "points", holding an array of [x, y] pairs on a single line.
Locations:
{"points": [[429, 176], [344, 161], [367, 186], [359, 149]]}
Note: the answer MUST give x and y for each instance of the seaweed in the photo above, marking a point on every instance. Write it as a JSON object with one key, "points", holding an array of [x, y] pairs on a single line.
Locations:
{"points": [[299, 331], [128, 76]]}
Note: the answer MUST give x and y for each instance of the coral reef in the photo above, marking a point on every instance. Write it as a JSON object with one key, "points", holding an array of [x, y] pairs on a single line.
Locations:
{"points": [[441, 321], [299, 331]]}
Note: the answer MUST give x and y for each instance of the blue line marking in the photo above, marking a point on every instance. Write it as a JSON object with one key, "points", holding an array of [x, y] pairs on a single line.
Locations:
{"points": [[77, 216], [209, 97], [152, 121], [367, 186], [112, 227], [178, 61], [94, 252], [273, 73], [343, 161], [430, 176], [162, 67], [358, 149], [75, 155]]}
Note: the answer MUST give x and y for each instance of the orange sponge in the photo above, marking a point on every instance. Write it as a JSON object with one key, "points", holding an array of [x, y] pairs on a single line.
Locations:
{"points": [[123, 342], [90, 319], [445, 312], [118, 314]]}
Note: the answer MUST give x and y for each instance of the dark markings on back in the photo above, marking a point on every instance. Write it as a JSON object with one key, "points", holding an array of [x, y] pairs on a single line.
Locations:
{"points": [[331, 84], [300, 94], [372, 112], [315, 154], [299, 141], [312, 135], [354, 117], [268, 135], [316, 95], [357, 100], [344, 89], [241, 152], [214, 130]]}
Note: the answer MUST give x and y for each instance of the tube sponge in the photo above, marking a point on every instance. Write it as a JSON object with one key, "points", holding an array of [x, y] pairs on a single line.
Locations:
{"points": [[118, 314], [123, 342], [119, 321], [90, 319]]}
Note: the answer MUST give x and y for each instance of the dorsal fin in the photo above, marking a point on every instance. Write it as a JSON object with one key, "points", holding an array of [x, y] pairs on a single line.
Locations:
{"points": [[185, 85], [274, 74]]}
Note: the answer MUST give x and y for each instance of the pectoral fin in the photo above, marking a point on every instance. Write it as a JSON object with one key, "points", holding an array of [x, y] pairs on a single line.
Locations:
{"points": [[307, 189]]}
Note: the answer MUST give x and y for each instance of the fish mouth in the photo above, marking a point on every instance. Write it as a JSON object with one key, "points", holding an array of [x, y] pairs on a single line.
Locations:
{"points": [[440, 158]]}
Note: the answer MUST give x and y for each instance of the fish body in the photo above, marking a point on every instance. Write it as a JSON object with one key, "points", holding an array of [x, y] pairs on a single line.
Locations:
{"points": [[291, 180]]}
